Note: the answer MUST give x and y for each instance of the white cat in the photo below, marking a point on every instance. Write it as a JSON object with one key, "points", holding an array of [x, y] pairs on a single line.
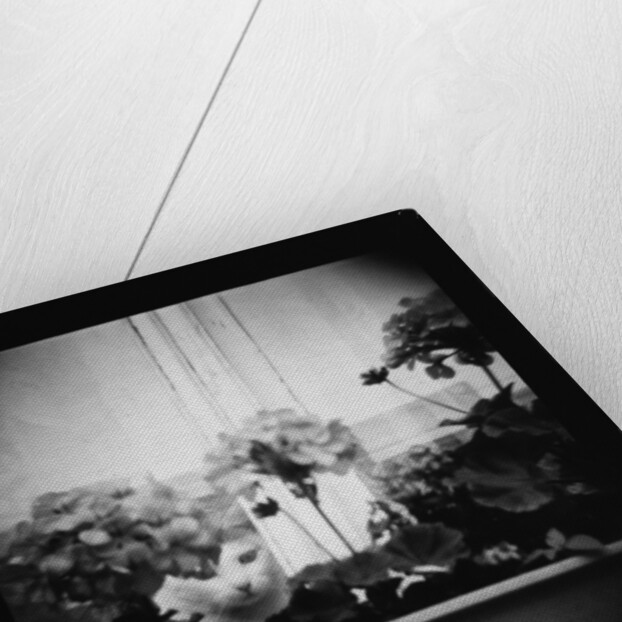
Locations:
{"points": [[249, 586]]}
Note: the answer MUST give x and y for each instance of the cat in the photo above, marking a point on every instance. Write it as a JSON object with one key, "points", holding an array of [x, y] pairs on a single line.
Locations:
{"points": [[249, 586]]}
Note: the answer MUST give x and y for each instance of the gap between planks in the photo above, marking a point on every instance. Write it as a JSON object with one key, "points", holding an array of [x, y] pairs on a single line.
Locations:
{"points": [[191, 142]]}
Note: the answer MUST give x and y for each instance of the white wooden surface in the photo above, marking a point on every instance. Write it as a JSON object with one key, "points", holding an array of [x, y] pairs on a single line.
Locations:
{"points": [[98, 102], [499, 120]]}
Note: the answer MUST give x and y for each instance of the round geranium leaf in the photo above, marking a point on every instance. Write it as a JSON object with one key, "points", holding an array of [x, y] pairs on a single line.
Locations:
{"points": [[504, 482], [446, 371], [365, 568], [582, 543], [433, 371], [427, 545], [439, 370]]}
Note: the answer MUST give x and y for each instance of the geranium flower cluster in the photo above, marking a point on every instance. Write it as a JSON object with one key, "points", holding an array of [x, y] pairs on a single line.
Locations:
{"points": [[431, 330], [287, 445], [91, 546]]}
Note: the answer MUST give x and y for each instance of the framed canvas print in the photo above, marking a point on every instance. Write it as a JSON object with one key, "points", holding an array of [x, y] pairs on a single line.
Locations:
{"points": [[342, 426]]}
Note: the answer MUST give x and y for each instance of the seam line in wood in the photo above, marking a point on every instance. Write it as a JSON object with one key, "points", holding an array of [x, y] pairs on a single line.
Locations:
{"points": [[193, 138]]}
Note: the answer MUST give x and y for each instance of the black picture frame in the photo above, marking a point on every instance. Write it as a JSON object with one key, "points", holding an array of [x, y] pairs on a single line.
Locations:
{"points": [[405, 235]]}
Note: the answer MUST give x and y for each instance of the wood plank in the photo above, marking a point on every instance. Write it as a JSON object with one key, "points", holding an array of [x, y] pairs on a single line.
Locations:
{"points": [[98, 102], [499, 120]]}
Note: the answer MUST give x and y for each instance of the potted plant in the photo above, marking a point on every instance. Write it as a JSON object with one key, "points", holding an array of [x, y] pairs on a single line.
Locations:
{"points": [[503, 495]]}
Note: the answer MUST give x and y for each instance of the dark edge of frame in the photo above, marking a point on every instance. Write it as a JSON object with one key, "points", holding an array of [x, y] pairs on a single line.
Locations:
{"points": [[532, 362], [5, 613], [112, 302]]}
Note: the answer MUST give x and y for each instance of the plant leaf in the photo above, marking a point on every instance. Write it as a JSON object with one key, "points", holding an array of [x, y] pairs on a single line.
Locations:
{"points": [[366, 568], [581, 543], [555, 538], [514, 420], [427, 545], [433, 371], [498, 480]]}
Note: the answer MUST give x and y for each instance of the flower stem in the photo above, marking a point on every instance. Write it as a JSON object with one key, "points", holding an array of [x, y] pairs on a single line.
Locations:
{"points": [[492, 377], [332, 525], [426, 399], [308, 533]]}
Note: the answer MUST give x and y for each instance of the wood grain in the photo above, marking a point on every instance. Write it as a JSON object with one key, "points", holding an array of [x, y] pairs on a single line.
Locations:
{"points": [[98, 101], [499, 120]]}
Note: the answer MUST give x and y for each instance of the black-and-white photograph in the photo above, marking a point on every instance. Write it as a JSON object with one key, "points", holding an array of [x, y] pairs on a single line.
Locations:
{"points": [[336, 444]]}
